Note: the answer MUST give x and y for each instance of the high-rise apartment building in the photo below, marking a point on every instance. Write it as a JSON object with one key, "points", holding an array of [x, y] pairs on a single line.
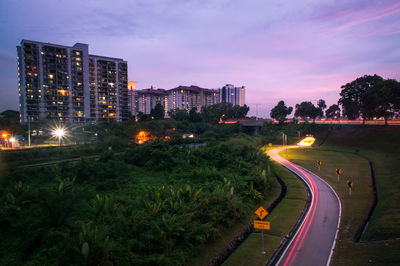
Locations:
{"points": [[131, 97], [65, 83], [108, 88], [184, 97], [148, 98], [232, 94]]}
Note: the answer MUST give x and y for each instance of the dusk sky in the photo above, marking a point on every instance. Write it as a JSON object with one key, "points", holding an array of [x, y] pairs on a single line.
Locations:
{"points": [[299, 50]]}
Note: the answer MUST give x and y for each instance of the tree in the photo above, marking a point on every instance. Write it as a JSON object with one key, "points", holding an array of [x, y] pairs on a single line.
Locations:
{"points": [[321, 104], [224, 111], [307, 110], [194, 116], [357, 97], [280, 112], [333, 112], [178, 114], [388, 99], [157, 112], [12, 116]]}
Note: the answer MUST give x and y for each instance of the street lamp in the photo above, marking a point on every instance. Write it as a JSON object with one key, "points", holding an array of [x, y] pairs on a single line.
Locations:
{"points": [[60, 133], [12, 139]]}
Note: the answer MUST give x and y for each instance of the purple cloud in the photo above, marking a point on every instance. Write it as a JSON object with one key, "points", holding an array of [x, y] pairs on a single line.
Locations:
{"points": [[290, 50]]}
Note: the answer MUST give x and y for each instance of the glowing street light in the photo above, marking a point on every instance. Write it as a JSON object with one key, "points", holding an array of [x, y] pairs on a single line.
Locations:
{"points": [[60, 133], [12, 139], [306, 142]]}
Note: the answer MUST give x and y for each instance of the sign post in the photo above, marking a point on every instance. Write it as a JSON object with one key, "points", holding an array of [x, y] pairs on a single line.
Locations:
{"points": [[350, 185], [338, 172], [319, 163], [263, 225]]}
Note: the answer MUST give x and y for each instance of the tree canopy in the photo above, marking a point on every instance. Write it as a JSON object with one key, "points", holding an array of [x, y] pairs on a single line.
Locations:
{"points": [[369, 97], [281, 111], [157, 112], [307, 110], [333, 112], [224, 111]]}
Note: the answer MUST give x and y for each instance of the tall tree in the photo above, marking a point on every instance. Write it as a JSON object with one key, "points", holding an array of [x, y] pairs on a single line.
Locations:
{"points": [[321, 104], [157, 112], [178, 114], [280, 112], [333, 112], [194, 116], [224, 111], [307, 110], [388, 99], [357, 97]]}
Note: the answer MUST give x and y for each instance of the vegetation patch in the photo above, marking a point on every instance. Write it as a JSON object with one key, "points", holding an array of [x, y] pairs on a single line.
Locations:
{"points": [[154, 204]]}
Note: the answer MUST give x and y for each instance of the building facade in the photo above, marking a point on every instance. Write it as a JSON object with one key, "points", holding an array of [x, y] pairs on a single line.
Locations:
{"points": [[185, 97], [65, 83], [182, 97], [108, 88], [147, 99], [232, 94], [131, 97]]}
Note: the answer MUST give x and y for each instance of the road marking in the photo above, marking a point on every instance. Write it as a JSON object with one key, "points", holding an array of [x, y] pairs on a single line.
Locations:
{"points": [[282, 161], [308, 178]]}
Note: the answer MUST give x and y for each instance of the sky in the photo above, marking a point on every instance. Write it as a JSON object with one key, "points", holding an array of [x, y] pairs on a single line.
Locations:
{"points": [[298, 50]]}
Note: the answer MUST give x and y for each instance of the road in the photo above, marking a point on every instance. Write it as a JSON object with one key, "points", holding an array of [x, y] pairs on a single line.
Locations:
{"points": [[315, 239]]}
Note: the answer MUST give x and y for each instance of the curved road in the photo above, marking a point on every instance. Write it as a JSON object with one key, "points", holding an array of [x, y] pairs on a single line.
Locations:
{"points": [[315, 239]]}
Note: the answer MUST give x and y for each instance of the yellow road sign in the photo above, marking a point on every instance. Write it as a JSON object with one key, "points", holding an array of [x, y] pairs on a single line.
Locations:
{"points": [[261, 212], [338, 171], [319, 162], [261, 225], [349, 183]]}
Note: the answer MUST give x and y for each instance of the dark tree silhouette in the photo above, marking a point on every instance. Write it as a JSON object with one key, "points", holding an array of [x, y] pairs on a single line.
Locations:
{"points": [[333, 112], [280, 112]]}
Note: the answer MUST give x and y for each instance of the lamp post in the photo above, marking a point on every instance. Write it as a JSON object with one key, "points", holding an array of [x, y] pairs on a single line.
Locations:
{"points": [[12, 139], [59, 133]]}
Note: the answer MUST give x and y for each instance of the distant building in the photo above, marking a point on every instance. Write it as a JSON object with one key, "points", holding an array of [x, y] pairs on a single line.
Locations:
{"points": [[108, 88], [184, 97], [131, 97], [232, 94], [65, 83], [148, 98]]}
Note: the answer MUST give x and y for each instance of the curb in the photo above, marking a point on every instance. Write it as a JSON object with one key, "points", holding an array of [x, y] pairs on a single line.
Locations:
{"points": [[363, 227], [238, 240], [286, 241]]}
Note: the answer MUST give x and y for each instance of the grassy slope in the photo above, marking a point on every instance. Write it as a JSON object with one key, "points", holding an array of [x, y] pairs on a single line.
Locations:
{"points": [[382, 146], [282, 219], [212, 249], [351, 144]]}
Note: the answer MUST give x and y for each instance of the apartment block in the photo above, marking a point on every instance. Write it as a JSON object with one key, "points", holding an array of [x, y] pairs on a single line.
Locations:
{"points": [[131, 97], [232, 94], [65, 83], [147, 99], [108, 88]]}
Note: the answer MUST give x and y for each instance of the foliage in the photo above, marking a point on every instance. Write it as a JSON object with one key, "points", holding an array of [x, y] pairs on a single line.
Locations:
{"points": [[154, 204], [157, 112], [280, 112], [224, 111], [369, 97], [321, 104], [307, 110], [178, 114], [333, 112]]}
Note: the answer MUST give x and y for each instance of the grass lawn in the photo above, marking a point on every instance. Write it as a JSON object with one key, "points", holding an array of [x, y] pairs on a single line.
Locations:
{"points": [[355, 207], [282, 219]]}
